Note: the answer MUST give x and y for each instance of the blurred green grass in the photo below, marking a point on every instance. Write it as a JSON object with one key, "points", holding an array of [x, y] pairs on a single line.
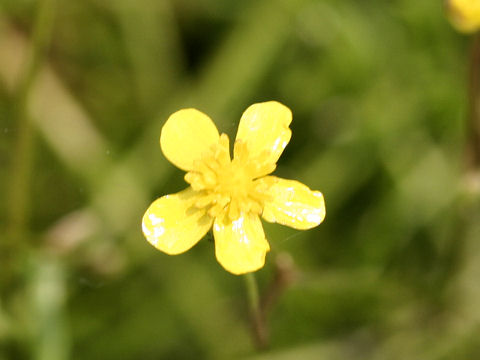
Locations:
{"points": [[378, 94]]}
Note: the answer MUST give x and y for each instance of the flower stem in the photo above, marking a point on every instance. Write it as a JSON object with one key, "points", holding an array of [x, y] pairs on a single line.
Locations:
{"points": [[259, 329], [22, 163], [23, 151]]}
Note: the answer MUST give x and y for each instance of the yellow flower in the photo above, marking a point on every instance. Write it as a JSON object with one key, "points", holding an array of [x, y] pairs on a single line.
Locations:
{"points": [[464, 14], [229, 194]]}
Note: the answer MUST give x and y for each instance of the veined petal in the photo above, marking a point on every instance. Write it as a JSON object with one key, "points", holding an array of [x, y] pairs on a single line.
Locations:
{"points": [[291, 203], [186, 135], [173, 225], [240, 245], [264, 128]]}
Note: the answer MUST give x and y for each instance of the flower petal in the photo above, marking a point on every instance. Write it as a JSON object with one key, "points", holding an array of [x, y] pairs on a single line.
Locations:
{"points": [[173, 225], [292, 203], [186, 135], [264, 128], [464, 15], [240, 245]]}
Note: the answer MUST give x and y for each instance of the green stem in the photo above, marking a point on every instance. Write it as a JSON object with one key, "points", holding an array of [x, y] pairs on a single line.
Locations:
{"points": [[252, 292], [259, 329], [22, 163]]}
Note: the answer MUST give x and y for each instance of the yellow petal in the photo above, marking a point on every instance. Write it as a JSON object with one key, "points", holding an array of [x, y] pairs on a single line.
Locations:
{"points": [[264, 128], [464, 14], [173, 225], [186, 135], [291, 203], [240, 245]]}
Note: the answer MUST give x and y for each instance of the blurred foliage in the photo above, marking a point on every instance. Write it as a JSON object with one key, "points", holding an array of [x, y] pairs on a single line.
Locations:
{"points": [[378, 93]]}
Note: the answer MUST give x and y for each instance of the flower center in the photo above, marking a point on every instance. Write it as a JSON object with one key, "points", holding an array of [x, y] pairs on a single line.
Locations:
{"points": [[227, 186]]}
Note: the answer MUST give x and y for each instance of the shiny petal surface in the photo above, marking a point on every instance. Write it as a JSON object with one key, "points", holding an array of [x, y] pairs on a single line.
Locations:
{"points": [[186, 135], [264, 128], [240, 245], [173, 225], [291, 203]]}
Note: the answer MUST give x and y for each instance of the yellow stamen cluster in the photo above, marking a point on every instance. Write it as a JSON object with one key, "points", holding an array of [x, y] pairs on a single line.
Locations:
{"points": [[227, 186]]}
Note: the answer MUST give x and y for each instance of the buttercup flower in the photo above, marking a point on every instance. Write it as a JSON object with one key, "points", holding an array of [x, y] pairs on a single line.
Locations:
{"points": [[464, 14], [229, 194]]}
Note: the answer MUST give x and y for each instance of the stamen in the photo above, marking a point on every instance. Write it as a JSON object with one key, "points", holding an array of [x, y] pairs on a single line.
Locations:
{"points": [[204, 201], [195, 180], [228, 186]]}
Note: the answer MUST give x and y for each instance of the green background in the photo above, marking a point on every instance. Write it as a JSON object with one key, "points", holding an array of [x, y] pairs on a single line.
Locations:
{"points": [[378, 91]]}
